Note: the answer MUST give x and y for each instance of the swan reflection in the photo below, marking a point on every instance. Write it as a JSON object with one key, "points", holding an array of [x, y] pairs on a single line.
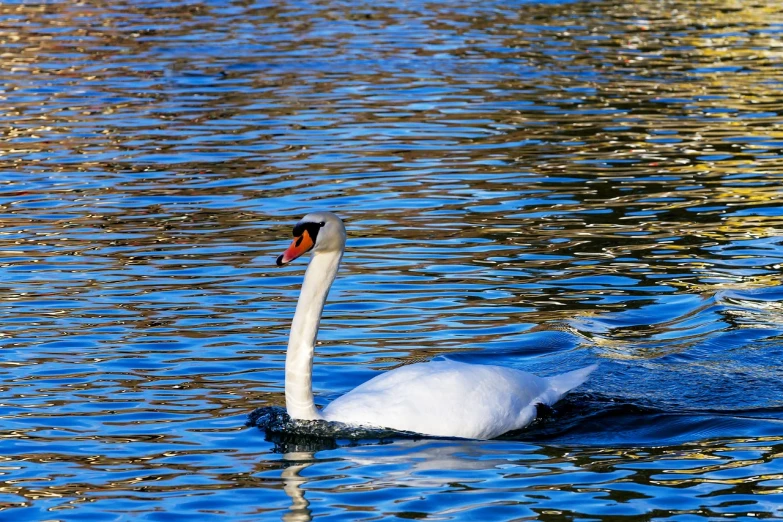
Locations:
{"points": [[410, 462], [292, 486]]}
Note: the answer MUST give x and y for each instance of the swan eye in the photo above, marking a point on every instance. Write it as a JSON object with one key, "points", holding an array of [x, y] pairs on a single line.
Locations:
{"points": [[322, 223], [311, 227]]}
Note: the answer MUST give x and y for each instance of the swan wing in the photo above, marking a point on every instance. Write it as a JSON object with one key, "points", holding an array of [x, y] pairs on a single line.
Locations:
{"points": [[451, 399]]}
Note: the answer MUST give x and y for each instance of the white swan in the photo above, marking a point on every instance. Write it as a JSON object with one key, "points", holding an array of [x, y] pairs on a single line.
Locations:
{"points": [[440, 398]]}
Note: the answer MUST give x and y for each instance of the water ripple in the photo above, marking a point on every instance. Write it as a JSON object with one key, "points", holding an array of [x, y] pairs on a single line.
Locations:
{"points": [[540, 185]]}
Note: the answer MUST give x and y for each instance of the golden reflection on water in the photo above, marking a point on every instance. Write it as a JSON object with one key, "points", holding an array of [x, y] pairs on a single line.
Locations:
{"points": [[680, 467]]}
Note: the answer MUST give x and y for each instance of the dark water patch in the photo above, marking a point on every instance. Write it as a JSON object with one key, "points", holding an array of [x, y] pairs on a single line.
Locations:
{"points": [[290, 435], [596, 421]]}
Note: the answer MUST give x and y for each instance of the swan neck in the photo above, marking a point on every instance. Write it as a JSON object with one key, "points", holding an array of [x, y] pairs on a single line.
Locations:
{"points": [[304, 329]]}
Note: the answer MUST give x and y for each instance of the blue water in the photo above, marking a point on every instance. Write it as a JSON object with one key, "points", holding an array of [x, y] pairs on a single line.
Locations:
{"points": [[541, 185]]}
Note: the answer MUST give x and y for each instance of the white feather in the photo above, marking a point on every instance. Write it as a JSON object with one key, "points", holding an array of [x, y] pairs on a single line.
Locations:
{"points": [[451, 399]]}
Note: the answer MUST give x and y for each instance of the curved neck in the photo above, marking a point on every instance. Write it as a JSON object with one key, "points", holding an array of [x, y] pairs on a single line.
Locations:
{"points": [[304, 329]]}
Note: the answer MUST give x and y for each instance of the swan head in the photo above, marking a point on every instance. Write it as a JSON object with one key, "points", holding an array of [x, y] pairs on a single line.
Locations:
{"points": [[317, 231]]}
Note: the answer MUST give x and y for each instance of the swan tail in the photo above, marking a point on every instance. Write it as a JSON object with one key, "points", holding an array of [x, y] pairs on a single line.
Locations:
{"points": [[566, 382]]}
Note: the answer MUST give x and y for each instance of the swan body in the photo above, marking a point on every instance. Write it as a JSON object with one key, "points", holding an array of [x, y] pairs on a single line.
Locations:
{"points": [[440, 398], [451, 399]]}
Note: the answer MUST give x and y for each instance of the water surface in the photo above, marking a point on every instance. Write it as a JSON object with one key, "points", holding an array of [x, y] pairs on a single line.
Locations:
{"points": [[541, 185]]}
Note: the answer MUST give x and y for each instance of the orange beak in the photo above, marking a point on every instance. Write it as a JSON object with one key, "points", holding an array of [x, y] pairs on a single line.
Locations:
{"points": [[299, 246]]}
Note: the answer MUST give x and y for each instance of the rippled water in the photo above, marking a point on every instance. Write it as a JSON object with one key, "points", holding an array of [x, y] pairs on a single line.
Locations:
{"points": [[538, 184]]}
